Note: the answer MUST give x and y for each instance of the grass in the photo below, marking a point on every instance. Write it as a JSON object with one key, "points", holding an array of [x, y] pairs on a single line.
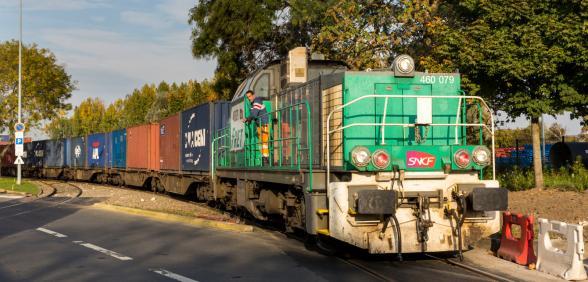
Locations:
{"points": [[9, 183], [574, 178]]}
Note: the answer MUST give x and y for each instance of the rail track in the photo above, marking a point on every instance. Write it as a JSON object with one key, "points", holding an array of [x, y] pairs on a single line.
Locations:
{"points": [[366, 266]]}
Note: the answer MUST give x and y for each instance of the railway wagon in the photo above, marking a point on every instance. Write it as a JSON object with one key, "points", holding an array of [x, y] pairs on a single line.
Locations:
{"points": [[377, 159]]}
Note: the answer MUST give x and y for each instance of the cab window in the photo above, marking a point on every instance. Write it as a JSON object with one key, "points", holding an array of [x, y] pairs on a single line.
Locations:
{"points": [[261, 86]]}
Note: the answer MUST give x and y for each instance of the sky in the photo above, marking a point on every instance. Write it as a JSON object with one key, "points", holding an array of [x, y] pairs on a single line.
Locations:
{"points": [[111, 47]]}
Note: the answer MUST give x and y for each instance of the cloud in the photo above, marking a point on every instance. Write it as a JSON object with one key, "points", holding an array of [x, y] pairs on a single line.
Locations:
{"points": [[144, 19], [132, 59], [177, 9], [57, 5]]}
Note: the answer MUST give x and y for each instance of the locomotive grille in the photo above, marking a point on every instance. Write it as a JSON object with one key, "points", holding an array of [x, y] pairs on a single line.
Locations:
{"points": [[332, 98]]}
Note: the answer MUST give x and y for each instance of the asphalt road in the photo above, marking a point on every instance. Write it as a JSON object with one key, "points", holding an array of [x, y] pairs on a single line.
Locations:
{"points": [[43, 240]]}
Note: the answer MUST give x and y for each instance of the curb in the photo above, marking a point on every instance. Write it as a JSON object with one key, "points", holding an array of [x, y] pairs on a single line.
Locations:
{"points": [[194, 221], [4, 191]]}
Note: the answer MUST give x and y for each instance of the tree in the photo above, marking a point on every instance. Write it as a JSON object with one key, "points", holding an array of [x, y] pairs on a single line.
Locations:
{"points": [[245, 35], [113, 117], [137, 105], [527, 57], [555, 133], [87, 117], [46, 85], [369, 34], [60, 127]]}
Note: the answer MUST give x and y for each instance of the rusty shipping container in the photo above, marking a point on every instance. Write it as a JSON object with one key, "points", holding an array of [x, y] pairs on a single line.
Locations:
{"points": [[169, 143], [143, 147]]}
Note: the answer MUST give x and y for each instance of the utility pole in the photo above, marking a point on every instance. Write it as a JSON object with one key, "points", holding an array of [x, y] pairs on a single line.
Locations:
{"points": [[18, 166]]}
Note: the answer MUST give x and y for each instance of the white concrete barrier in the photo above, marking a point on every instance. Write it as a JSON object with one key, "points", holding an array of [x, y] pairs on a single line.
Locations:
{"points": [[567, 263]]}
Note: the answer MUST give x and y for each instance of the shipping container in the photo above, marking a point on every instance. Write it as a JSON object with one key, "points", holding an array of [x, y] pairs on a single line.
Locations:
{"points": [[27, 154], [54, 155], [7, 152], [77, 153], [198, 127], [97, 151], [118, 143], [143, 147], [169, 143], [68, 152], [36, 153]]}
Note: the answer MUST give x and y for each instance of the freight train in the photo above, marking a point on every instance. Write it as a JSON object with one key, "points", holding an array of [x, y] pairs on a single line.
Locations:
{"points": [[379, 159]]}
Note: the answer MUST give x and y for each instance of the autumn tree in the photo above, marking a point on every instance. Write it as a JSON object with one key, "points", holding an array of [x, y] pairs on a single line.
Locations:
{"points": [[46, 85], [244, 35], [88, 116], [527, 57]]}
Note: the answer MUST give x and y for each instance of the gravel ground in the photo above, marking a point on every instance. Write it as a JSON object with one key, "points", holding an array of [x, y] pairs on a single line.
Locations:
{"points": [[150, 201]]}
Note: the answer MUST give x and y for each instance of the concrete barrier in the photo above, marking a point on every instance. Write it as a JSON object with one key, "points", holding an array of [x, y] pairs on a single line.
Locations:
{"points": [[567, 263]]}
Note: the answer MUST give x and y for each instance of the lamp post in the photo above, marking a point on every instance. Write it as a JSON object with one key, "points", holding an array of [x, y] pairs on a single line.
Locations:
{"points": [[18, 166]]}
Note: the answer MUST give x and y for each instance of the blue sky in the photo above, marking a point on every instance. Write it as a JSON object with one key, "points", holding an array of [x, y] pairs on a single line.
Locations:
{"points": [[111, 47]]}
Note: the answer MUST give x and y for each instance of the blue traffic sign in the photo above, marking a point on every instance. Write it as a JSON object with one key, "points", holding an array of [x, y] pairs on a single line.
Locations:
{"points": [[18, 141], [19, 127]]}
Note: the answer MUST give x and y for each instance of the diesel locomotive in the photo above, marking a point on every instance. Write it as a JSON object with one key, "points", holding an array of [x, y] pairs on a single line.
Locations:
{"points": [[379, 159]]}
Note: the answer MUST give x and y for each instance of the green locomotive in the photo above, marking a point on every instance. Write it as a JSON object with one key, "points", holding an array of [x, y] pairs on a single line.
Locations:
{"points": [[377, 159]]}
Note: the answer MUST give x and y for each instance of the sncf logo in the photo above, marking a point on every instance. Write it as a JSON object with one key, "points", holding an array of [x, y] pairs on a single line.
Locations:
{"points": [[420, 159]]}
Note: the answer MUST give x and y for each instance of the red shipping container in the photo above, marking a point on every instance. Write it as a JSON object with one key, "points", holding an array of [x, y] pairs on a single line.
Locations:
{"points": [[169, 143], [8, 157], [143, 147]]}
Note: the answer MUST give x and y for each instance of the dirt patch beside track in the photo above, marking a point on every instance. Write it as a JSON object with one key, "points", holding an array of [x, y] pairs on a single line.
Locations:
{"points": [[567, 206], [151, 201]]}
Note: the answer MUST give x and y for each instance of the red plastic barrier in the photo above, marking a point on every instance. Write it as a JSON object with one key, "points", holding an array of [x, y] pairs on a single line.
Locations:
{"points": [[519, 250]]}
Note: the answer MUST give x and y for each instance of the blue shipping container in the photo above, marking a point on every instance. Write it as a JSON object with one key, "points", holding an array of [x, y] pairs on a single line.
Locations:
{"points": [[198, 125], [68, 152], [97, 151], [78, 152], [37, 155], [54, 155], [118, 148]]}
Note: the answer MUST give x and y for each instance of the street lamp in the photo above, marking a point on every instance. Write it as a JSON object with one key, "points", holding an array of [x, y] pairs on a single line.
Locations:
{"points": [[18, 166]]}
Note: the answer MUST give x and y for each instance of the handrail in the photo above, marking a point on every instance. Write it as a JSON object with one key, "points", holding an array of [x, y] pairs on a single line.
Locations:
{"points": [[296, 138], [383, 124]]}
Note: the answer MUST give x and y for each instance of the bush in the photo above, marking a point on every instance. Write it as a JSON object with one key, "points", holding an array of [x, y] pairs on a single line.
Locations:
{"points": [[574, 178]]}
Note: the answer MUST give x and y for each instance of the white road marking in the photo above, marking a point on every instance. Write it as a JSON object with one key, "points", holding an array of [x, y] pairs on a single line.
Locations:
{"points": [[172, 275], [56, 234], [11, 196], [103, 250]]}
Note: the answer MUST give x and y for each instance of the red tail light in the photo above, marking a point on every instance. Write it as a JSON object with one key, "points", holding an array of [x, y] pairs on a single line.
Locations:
{"points": [[380, 159], [462, 158]]}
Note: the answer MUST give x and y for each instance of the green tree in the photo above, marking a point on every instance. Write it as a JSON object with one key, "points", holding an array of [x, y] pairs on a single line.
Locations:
{"points": [[60, 127], [369, 34], [46, 85], [244, 35], [138, 104], [87, 117], [113, 116], [527, 57]]}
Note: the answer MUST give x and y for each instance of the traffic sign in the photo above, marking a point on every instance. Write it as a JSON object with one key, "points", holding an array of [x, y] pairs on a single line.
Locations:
{"points": [[18, 161], [18, 143], [19, 127]]}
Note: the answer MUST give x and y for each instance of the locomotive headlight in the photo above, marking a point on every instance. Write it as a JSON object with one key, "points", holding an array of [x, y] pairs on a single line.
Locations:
{"points": [[461, 158], [481, 155], [381, 159], [403, 66], [360, 156]]}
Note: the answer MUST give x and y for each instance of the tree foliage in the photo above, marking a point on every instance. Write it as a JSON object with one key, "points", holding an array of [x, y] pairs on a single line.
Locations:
{"points": [[147, 104], [244, 35], [46, 85]]}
